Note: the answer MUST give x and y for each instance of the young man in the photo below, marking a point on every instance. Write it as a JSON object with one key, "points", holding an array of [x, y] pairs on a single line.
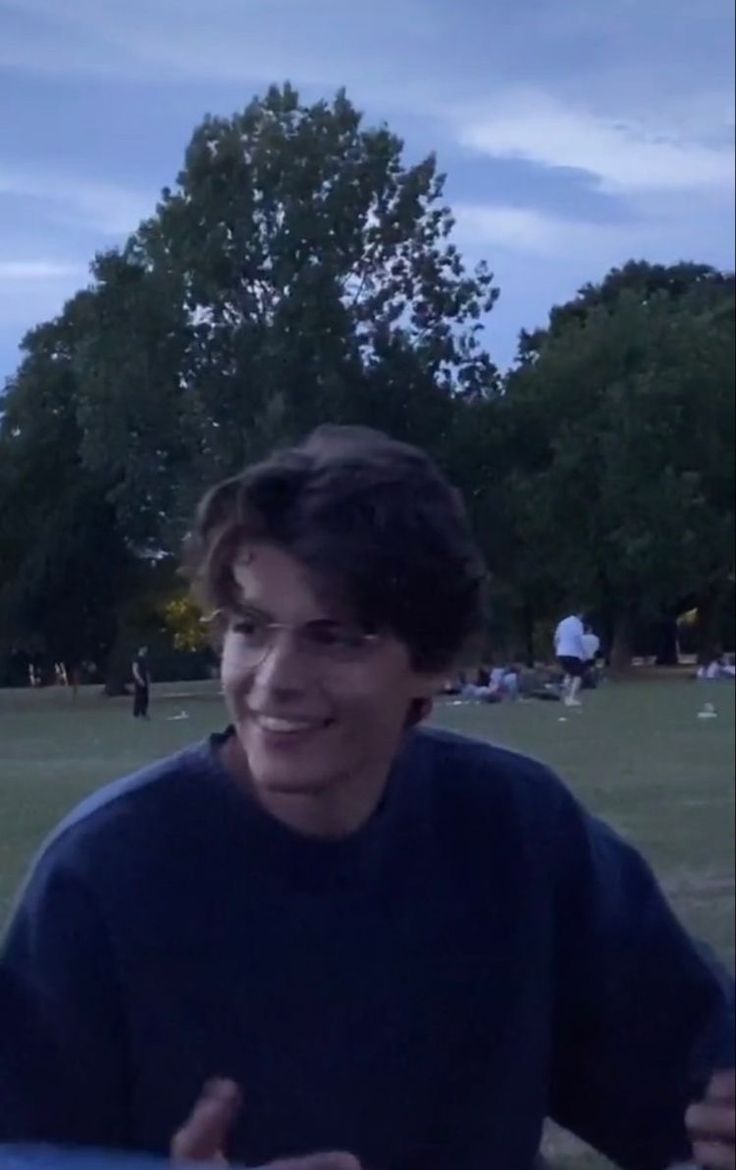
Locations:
{"points": [[571, 655], [328, 928]]}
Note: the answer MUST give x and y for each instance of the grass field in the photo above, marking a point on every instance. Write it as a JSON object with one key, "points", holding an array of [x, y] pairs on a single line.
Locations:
{"points": [[637, 754]]}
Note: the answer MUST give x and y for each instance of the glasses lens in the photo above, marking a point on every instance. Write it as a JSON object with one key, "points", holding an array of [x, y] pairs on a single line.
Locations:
{"points": [[254, 635]]}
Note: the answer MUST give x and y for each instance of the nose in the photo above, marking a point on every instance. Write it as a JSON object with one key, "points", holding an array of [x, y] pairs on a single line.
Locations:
{"points": [[282, 670]]}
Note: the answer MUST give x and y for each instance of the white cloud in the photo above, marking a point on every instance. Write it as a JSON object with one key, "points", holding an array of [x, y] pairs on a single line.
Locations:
{"points": [[663, 231], [100, 207], [525, 229], [25, 270], [621, 156]]}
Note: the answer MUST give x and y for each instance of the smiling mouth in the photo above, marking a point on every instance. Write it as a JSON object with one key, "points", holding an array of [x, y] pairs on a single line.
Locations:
{"points": [[282, 726]]}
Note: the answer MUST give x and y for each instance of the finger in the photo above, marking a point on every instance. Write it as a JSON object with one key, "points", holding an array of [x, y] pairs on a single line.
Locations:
{"points": [[712, 1120], [204, 1134], [722, 1086], [714, 1155]]}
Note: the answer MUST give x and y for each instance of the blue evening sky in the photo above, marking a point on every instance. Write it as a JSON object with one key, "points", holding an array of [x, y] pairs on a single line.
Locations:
{"points": [[575, 133]]}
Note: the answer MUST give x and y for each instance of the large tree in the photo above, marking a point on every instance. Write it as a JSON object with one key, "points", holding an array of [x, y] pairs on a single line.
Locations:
{"points": [[64, 563], [299, 271], [625, 428]]}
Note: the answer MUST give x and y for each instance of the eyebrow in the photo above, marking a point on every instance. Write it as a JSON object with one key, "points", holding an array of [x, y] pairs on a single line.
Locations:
{"points": [[248, 609]]}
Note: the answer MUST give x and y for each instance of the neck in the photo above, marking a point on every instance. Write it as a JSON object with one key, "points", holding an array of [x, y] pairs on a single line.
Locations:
{"points": [[322, 815], [330, 814]]}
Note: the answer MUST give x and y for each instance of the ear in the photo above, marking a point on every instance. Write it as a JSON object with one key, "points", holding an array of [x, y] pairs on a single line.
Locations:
{"points": [[419, 710], [425, 688]]}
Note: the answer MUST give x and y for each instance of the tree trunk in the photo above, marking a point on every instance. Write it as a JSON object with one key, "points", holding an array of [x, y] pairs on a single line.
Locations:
{"points": [[621, 652], [709, 607], [117, 672], [528, 619], [667, 648], [607, 614]]}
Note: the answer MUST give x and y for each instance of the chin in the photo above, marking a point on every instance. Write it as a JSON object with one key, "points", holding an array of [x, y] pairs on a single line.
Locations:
{"points": [[286, 785], [288, 767]]}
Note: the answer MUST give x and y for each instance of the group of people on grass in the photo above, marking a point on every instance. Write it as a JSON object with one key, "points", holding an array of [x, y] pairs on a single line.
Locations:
{"points": [[488, 684], [578, 666]]}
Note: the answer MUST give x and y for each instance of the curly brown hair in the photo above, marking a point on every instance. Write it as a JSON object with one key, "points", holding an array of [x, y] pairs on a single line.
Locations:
{"points": [[377, 526]]}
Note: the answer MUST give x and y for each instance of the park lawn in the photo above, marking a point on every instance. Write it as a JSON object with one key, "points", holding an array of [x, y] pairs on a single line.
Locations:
{"points": [[637, 754]]}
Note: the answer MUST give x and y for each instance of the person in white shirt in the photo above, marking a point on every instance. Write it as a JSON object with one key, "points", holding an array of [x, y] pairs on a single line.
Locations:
{"points": [[591, 644], [572, 656]]}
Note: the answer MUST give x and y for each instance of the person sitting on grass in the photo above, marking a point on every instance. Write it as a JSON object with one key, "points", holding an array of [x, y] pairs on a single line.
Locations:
{"points": [[718, 670], [482, 689], [331, 927], [505, 680]]}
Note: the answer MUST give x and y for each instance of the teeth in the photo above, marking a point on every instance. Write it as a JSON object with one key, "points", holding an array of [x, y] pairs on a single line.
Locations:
{"points": [[272, 723]]}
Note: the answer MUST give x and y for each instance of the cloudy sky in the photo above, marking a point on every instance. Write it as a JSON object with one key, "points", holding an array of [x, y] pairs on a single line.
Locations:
{"points": [[575, 133]]}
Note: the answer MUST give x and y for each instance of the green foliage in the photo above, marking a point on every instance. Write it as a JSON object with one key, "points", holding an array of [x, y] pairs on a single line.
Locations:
{"points": [[625, 423], [63, 563], [184, 621], [299, 272], [132, 415]]}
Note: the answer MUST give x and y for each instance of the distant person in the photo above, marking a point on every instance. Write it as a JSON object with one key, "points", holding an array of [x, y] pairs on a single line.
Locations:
{"points": [[510, 681], [591, 666], [141, 684], [717, 670], [591, 644], [572, 656], [504, 682], [385, 938], [471, 692]]}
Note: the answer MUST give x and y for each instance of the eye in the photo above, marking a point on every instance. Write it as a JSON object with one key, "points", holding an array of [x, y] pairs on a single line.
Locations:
{"points": [[251, 628], [332, 635]]}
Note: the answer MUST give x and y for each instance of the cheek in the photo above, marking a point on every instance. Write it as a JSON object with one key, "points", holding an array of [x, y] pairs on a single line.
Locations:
{"points": [[233, 675], [374, 704]]}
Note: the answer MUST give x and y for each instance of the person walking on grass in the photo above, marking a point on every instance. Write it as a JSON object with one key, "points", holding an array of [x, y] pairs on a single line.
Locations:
{"points": [[141, 684], [571, 655], [332, 927]]}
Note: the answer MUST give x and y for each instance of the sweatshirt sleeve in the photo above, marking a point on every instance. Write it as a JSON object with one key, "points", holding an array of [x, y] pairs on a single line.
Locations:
{"points": [[62, 1048], [644, 1014]]}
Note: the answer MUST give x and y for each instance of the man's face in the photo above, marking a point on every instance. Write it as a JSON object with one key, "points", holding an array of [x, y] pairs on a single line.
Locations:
{"points": [[308, 720]]}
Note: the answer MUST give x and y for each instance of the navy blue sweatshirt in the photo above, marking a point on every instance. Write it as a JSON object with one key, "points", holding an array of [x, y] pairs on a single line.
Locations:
{"points": [[480, 955]]}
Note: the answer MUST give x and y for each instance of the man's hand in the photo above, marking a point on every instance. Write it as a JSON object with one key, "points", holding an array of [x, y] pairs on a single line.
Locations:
{"points": [[203, 1137], [711, 1124]]}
